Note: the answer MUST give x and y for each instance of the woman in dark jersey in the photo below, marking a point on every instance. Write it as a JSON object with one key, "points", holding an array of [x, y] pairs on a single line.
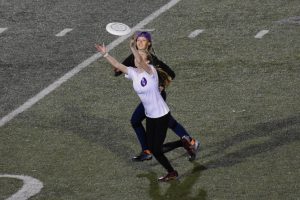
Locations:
{"points": [[144, 42]]}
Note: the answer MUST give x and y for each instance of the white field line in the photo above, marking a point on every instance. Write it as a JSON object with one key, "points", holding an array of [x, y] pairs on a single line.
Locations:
{"points": [[64, 32], [31, 187], [147, 29], [195, 33], [29, 103], [261, 34], [2, 30]]}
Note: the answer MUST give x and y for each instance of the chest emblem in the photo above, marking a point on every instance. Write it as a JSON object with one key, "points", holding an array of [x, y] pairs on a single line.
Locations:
{"points": [[143, 82]]}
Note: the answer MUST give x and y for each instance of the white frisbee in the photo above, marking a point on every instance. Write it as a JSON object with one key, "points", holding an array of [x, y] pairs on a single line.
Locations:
{"points": [[117, 28]]}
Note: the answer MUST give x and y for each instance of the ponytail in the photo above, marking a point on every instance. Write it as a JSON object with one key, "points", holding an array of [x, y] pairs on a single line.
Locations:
{"points": [[164, 78]]}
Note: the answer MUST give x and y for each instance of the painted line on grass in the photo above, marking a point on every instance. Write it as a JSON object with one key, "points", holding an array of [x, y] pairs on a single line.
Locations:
{"points": [[3, 29], [30, 102], [195, 33], [64, 32], [31, 187], [261, 34], [146, 29]]}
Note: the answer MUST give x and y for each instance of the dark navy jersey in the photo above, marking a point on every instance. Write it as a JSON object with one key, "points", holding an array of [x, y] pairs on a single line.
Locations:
{"points": [[129, 62]]}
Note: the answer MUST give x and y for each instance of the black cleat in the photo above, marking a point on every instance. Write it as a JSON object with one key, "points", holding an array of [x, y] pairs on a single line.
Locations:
{"points": [[144, 155]]}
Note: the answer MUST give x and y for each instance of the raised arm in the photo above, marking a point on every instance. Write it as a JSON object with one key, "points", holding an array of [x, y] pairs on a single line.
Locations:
{"points": [[140, 62], [102, 49]]}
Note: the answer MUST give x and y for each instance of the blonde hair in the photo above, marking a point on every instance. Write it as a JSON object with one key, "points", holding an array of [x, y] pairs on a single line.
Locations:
{"points": [[164, 78]]}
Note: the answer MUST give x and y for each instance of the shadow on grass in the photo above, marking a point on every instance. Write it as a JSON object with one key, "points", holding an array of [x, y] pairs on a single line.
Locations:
{"points": [[107, 133], [270, 135], [179, 189], [102, 131]]}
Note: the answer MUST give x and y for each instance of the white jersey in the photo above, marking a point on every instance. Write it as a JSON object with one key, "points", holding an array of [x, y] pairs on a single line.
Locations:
{"points": [[146, 87]]}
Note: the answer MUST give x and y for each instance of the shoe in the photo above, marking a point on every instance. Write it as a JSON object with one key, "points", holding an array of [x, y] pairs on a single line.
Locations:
{"points": [[191, 146], [170, 176], [144, 155], [195, 145]]}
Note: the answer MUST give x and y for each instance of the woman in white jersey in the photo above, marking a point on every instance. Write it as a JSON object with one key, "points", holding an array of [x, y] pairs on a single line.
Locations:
{"points": [[146, 85]]}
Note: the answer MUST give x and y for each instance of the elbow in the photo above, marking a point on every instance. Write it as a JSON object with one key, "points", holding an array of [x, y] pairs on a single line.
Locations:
{"points": [[173, 77]]}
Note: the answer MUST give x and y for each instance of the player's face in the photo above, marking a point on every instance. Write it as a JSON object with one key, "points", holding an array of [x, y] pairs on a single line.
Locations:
{"points": [[142, 43]]}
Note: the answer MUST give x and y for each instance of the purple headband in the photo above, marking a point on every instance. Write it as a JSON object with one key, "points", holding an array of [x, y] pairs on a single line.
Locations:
{"points": [[144, 34]]}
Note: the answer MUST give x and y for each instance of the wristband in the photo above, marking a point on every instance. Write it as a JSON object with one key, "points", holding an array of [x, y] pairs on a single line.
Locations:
{"points": [[105, 55]]}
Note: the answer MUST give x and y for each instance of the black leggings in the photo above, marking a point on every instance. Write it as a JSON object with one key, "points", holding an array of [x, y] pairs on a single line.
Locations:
{"points": [[156, 129]]}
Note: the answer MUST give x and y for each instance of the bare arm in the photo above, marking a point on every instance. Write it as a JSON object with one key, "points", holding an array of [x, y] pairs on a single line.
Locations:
{"points": [[138, 58], [110, 59]]}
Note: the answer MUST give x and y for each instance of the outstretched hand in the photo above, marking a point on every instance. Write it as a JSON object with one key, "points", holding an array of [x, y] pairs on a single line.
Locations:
{"points": [[132, 43], [102, 49]]}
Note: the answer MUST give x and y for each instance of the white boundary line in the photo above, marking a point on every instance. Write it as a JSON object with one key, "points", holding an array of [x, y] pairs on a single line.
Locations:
{"points": [[3, 29], [29, 103], [31, 187], [261, 34], [195, 33], [64, 32]]}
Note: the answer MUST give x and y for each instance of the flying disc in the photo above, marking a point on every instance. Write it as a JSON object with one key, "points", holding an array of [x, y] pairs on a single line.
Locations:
{"points": [[117, 28]]}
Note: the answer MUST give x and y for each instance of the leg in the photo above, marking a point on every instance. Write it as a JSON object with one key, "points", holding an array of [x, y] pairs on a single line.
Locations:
{"points": [[136, 122], [177, 128], [190, 144], [156, 131], [156, 134], [172, 145]]}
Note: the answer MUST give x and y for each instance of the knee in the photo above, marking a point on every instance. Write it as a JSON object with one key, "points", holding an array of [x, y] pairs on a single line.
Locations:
{"points": [[157, 152], [135, 122]]}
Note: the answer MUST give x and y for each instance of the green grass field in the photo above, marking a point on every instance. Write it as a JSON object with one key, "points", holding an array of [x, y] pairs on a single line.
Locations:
{"points": [[239, 95]]}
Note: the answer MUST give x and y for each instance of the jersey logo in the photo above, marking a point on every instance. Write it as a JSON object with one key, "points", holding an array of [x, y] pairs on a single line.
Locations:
{"points": [[143, 82]]}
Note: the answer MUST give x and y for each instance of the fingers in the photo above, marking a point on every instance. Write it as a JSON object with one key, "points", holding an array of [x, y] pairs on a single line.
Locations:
{"points": [[98, 47], [134, 36], [132, 42], [101, 49]]}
